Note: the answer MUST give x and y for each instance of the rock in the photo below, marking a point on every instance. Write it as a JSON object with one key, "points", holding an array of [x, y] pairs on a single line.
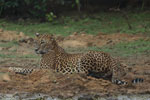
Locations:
{"points": [[1, 30], [1, 48], [4, 77]]}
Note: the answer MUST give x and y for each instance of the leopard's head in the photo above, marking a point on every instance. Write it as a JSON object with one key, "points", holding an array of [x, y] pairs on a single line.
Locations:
{"points": [[44, 43]]}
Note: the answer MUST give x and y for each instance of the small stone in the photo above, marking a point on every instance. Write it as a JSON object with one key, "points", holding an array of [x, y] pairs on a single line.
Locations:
{"points": [[21, 34], [54, 81], [1, 30], [1, 48], [4, 77]]}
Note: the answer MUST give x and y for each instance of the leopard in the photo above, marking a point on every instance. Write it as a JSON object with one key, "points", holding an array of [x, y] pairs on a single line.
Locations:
{"points": [[97, 64]]}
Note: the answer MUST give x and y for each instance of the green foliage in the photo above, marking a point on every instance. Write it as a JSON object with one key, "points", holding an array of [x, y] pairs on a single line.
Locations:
{"points": [[78, 5], [77, 1], [102, 22], [34, 8], [39, 8], [30, 8], [50, 16], [4, 4]]}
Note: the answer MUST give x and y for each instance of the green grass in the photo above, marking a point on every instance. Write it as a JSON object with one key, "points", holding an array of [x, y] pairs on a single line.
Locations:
{"points": [[100, 22], [9, 44], [129, 48], [123, 49], [17, 56]]}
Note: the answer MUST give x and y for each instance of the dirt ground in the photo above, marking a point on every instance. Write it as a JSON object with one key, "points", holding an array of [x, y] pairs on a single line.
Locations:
{"points": [[67, 86], [85, 40]]}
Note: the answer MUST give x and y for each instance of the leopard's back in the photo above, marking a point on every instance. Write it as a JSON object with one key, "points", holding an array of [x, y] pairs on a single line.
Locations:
{"points": [[90, 62], [63, 63]]}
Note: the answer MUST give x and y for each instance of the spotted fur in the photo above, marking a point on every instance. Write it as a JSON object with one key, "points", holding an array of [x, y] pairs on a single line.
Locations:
{"points": [[93, 63]]}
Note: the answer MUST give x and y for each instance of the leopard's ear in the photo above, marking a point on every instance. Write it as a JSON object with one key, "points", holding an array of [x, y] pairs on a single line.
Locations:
{"points": [[37, 34]]}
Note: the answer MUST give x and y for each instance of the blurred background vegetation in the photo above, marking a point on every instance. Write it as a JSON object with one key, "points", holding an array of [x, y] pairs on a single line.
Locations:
{"points": [[49, 9], [67, 16]]}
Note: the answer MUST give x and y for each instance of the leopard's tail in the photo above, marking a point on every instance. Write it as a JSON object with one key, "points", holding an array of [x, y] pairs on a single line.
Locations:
{"points": [[129, 69]]}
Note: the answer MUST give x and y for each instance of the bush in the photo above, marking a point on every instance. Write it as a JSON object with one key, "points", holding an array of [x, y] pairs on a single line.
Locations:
{"points": [[25, 8], [30, 8], [41, 8], [50, 16]]}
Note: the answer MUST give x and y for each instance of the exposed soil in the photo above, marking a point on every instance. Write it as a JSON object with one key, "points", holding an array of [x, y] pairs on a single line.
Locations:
{"points": [[77, 40], [84, 40], [68, 86], [11, 35]]}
